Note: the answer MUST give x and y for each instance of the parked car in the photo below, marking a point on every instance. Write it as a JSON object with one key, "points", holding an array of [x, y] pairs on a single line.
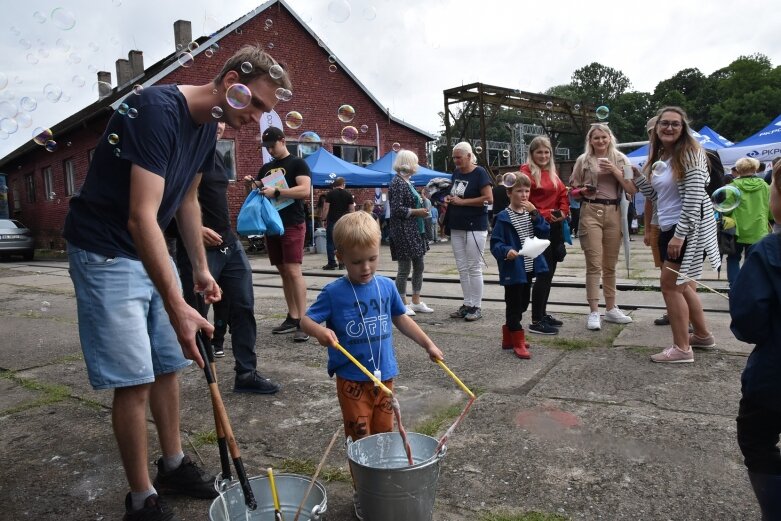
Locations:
{"points": [[16, 239]]}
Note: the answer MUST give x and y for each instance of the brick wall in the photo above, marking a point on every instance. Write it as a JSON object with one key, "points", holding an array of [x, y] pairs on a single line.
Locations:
{"points": [[317, 94]]}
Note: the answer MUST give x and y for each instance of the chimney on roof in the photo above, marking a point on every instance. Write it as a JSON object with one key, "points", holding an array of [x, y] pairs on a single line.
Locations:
{"points": [[104, 84], [131, 68], [183, 34]]}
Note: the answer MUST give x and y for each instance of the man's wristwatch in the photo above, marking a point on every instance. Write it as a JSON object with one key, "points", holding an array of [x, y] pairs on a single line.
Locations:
{"points": [[276, 192]]}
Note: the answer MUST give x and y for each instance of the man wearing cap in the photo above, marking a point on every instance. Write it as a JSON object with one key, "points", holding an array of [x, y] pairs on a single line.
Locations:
{"points": [[286, 251]]}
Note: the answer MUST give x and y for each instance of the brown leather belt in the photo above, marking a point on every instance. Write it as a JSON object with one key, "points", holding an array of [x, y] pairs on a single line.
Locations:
{"points": [[612, 202]]}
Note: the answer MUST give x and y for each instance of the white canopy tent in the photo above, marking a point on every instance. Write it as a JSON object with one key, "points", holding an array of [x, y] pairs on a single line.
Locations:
{"points": [[764, 146]]}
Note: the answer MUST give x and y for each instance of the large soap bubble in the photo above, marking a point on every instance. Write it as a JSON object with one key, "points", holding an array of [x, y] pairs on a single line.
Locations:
{"points": [[726, 198]]}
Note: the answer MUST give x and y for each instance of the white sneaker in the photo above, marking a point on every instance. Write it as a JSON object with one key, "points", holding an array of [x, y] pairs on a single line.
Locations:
{"points": [[593, 321], [616, 316], [410, 312], [420, 308]]}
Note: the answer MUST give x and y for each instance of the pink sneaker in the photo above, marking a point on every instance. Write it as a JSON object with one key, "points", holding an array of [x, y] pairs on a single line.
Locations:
{"points": [[673, 355], [702, 342]]}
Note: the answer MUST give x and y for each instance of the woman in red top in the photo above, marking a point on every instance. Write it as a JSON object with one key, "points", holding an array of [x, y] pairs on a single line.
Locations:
{"points": [[549, 196], [598, 178]]}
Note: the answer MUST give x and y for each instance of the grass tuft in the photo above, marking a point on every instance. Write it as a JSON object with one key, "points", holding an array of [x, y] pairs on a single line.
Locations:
{"points": [[433, 425], [306, 467], [524, 516]]}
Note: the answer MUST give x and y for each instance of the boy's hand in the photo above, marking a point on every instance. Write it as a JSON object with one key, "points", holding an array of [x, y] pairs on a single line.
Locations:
{"points": [[434, 353], [326, 337], [511, 255]]}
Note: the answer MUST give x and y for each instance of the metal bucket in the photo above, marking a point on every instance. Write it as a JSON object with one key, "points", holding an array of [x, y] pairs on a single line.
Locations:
{"points": [[389, 489], [290, 489]]}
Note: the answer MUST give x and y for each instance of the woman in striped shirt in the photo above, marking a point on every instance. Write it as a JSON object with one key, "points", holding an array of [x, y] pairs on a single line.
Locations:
{"points": [[678, 172]]}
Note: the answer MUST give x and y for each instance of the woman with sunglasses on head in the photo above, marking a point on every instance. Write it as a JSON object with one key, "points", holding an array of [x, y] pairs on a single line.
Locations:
{"points": [[467, 218], [549, 195], [675, 177], [598, 176]]}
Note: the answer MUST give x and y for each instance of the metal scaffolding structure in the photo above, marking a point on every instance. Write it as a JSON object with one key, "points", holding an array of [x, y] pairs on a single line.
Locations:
{"points": [[539, 114]]}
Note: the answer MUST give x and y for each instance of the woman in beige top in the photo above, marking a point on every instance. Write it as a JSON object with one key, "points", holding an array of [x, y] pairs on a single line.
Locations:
{"points": [[598, 182]]}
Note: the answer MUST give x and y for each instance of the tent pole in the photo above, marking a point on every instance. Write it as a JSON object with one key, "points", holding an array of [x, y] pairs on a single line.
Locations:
{"points": [[312, 209]]}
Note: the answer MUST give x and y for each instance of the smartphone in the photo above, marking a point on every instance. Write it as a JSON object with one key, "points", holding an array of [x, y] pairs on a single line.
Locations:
{"points": [[556, 213], [590, 188]]}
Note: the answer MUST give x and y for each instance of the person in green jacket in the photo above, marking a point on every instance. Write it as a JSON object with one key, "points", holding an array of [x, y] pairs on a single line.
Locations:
{"points": [[751, 215]]}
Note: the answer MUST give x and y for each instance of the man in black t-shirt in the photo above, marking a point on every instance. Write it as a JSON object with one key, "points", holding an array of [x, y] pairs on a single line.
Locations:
{"points": [[229, 265], [338, 202], [286, 252]]}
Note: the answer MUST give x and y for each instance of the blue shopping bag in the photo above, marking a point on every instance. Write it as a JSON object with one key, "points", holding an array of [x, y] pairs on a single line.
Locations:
{"points": [[258, 216]]}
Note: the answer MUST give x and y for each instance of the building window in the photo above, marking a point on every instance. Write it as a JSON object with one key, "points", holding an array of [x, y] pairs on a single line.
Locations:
{"points": [[226, 148], [304, 150], [70, 177], [29, 182], [48, 184], [356, 155]]}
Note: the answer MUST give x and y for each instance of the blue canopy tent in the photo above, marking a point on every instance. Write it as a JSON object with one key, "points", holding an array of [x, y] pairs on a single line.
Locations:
{"points": [[715, 137], [707, 137], [326, 167], [421, 177], [762, 146]]}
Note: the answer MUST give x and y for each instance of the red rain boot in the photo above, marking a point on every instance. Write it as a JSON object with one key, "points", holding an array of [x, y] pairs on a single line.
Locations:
{"points": [[507, 342], [519, 344]]}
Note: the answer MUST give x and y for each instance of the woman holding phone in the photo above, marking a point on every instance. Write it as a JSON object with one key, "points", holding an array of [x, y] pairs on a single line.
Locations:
{"points": [[549, 195], [598, 178]]}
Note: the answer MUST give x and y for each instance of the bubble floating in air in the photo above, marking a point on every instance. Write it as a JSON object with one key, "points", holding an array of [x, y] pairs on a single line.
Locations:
{"points": [[658, 167], [345, 113], [238, 96], [28, 103], [339, 11], [42, 135], [602, 112], [192, 46], [508, 179], [506, 154], [186, 60], [349, 134], [113, 139], [478, 149], [294, 119], [726, 198], [123, 108], [216, 112], [276, 71], [9, 125], [549, 105], [246, 67], [364, 129], [8, 109], [309, 142], [50, 145], [332, 68], [396, 147], [138, 89], [283, 94], [132, 113], [79, 81]]}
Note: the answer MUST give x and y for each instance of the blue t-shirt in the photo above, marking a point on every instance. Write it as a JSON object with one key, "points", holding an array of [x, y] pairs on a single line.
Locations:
{"points": [[468, 186], [163, 139], [338, 307]]}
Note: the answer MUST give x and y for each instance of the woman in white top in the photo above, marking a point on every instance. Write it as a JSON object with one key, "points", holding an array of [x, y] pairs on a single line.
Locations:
{"points": [[678, 172]]}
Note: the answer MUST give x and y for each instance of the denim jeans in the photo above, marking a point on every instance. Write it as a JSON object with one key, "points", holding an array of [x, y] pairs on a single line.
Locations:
{"points": [[230, 268], [329, 243], [733, 261]]}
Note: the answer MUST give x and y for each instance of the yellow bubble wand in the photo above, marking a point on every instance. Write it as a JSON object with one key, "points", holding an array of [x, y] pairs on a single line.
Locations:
{"points": [[365, 371]]}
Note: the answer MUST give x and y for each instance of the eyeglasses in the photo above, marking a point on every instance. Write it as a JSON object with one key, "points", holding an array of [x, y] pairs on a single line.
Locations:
{"points": [[672, 124]]}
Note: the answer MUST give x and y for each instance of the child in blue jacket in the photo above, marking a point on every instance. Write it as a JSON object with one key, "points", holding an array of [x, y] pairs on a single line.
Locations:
{"points": [[513, 226], [754, 299]]}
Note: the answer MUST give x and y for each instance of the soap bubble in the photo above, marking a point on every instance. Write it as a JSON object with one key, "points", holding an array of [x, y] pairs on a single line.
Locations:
{"points": [[42, 135], [79, 81], [50, 145], [9, 125], [24, 120], [549, 105], [3, 134], [364, 129], [186, 60], [113, 139], [478, 149], [208, 53], [246, 67], [8, 109], [349, 134], [269, 22], [216, 112], [192, 46], [123, 108], [39, 17], [63, 44], [309, 142], [138, 89], [31, 59], [74, 58], [339, 11], [726, 198], [369, 13], [294, 119], [332, 68], [577, 107], [63, 19], [238, 96], [508, 179], [103, 88], [396, 147], [346, 113], [506, 154], [276, 71], [93, 47], [132, 113], [283, 94], [658, 167], [270, 45], [117, 152], [602, 112], [332, 59], [52, 92]]}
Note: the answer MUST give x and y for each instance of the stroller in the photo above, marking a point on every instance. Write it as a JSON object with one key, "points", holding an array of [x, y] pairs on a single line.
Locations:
{"points": [[256, 244]]}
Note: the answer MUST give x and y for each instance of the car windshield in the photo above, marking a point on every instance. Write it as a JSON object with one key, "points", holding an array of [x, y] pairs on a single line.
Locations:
{"points": [[7, 224]]}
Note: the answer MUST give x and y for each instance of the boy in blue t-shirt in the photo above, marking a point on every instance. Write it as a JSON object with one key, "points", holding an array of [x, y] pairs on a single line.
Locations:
{"points": [[358, 309]]}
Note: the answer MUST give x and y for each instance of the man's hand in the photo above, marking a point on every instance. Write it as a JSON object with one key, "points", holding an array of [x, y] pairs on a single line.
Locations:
{"points": [[186, 322], [205, 283], [210, 237]]}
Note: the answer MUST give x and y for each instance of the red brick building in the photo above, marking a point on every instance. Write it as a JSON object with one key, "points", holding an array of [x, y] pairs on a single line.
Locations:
{"points": [[41, 183]]}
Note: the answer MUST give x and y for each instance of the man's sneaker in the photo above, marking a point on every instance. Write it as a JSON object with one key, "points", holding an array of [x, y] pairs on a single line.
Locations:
{"points": [[409, 311], [300, 336], [219, 352], [616, 316], [673, 355], [253, 382], [188, 480], [460, 312], [664, 320], [552, 321], [473, 314], [287, 326], [542, 328], [593, 323], [420, 308], [154, 510], [357, 506], [702, 342], [329, 267]]}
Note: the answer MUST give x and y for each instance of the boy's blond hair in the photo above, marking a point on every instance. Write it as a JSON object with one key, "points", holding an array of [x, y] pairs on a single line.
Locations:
{"points": [[356, 229], [746, 166]]}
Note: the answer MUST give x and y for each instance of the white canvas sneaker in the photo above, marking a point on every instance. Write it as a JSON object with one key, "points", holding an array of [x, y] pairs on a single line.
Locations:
{"points": [[410, 312], [616, 316], [594, 323], [421, 308]]}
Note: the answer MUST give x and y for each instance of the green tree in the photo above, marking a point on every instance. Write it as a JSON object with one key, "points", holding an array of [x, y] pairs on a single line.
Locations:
{"points": [[683, 90], [599, 84]]}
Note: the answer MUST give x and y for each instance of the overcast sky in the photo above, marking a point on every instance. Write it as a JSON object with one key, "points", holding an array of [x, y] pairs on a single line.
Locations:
{"points": [[406, 52]]}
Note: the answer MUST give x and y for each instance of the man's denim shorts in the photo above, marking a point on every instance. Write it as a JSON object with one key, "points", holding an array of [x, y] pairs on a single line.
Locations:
{"points": [[125, 333]]}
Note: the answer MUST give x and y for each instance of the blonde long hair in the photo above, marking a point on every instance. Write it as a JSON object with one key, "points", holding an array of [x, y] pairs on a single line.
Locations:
{"points": [[684, 149], [615, 157], [536, 171]]}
